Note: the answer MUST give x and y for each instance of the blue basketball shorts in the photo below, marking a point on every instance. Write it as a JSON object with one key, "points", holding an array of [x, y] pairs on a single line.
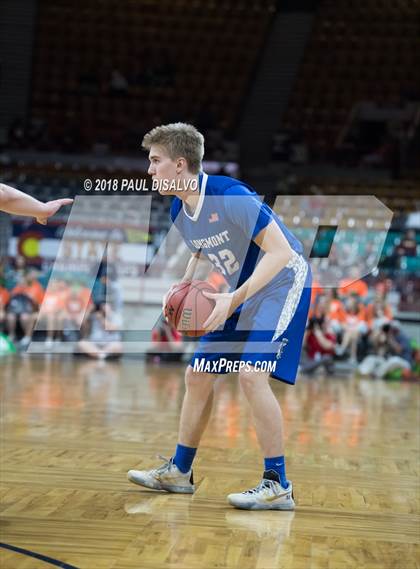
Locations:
{"points": [[266, 334]]}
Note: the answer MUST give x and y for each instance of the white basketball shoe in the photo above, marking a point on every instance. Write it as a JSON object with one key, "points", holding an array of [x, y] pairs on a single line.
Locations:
{"points": [[167, 477], [268, 495]]}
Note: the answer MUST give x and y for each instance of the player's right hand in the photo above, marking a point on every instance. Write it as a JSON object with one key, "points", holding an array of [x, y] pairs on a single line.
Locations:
{"points": [[165, 298], [51, 208]]}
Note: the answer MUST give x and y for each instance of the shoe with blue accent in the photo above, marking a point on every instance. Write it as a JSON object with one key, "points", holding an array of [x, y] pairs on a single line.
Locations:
{"points": [[268, 495], [167, 477]]}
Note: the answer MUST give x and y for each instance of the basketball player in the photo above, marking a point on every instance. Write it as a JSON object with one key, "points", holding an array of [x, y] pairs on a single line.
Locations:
{"points": [[18, 203], [264, 313]]}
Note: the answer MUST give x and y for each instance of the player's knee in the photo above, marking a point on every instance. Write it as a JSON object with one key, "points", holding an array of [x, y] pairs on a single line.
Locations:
{"points": [[196, 380], [249, 380]]}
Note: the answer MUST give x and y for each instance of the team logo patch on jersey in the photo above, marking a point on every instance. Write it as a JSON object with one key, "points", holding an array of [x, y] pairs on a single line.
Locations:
{"points": [[213, 218], [282, 345]]}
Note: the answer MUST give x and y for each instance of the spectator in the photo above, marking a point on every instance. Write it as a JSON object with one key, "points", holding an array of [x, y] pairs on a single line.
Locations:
{"points": [[53, 309], [354, 327], [320, 307], [15, 274], [23, 306], [4, 299], [336, 312], [77, 308], [104, 337], [395, 352], [320, 346], [378, 312], [167, 344], [30, 286], [351, 286], [328, 305], [316, 291], [107, 289]]}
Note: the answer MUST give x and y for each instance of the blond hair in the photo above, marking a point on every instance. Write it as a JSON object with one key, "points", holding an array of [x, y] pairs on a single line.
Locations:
{"points": [[179, 140]]}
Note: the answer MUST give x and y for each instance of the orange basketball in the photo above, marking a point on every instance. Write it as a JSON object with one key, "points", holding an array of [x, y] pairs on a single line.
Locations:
{"points": [[187, 308]]}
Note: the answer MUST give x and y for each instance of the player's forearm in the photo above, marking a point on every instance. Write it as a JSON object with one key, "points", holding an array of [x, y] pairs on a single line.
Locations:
{"points": [[16, 202], [267, 268], [191, 268], [189, 271]]}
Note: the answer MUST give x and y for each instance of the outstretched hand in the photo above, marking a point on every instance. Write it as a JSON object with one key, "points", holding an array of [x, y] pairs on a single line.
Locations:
{"points": [[223, 308], [51, 208]]}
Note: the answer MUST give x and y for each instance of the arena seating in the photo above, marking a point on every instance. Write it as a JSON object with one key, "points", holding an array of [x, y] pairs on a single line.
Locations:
{"points": [[401, 197], [77, 50], [357, 51]]}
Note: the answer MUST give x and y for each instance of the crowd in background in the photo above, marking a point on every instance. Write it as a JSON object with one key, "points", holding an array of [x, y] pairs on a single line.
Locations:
{"points": [[356, 325], [69, 312], [352, 325]]}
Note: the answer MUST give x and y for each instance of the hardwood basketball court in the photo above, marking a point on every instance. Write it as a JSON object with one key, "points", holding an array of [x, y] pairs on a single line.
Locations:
{"points": [[71, 429]]}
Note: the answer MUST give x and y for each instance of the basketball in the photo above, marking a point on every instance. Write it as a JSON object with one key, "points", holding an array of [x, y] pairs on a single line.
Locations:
{"points": [[187, 308]]}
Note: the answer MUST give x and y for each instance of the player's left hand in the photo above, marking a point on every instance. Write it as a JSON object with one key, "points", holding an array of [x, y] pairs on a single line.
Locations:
{"points": [[51, 208], [223, 308]]}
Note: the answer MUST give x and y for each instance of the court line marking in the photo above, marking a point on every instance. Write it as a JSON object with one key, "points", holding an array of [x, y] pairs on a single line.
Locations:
{"points": [[39, 556]]}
